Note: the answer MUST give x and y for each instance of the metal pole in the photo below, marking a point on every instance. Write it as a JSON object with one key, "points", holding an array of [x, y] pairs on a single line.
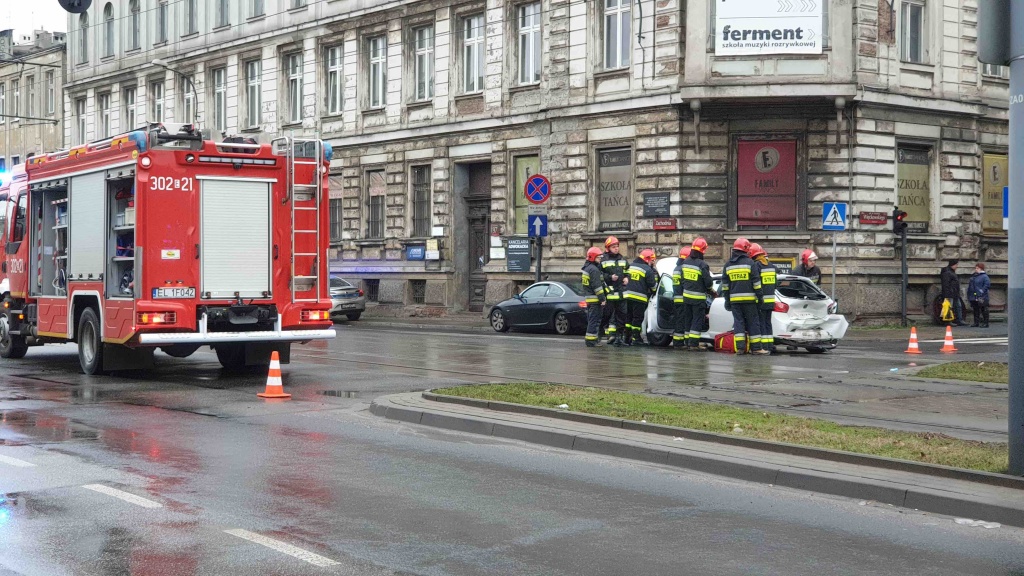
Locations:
{"points": [[904, 280], [540, 255], [1015, 265], [833, 266]]}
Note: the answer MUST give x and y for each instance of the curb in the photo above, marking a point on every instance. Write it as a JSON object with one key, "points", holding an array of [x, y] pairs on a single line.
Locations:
{"points": [[454, 328], [995, 508], [990, 478]]}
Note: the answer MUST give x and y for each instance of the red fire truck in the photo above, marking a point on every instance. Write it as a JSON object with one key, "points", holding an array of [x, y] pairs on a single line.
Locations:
{"points": [[163, 239]]}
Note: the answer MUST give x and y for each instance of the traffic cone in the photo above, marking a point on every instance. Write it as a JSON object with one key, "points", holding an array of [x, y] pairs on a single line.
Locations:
{"points": [[948, 347], [275, 389], [912, 347]]}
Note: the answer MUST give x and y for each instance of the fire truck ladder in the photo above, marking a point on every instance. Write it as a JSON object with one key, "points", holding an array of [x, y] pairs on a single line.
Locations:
{"points": [[304, 152]]}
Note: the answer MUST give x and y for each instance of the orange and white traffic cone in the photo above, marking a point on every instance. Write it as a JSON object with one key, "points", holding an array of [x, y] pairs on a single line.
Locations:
{"points": [[948, 347], [275, 388], [912, 347]]}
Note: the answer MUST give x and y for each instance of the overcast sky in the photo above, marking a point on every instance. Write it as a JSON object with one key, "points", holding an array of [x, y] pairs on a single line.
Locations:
{"points": [[28, 15]]}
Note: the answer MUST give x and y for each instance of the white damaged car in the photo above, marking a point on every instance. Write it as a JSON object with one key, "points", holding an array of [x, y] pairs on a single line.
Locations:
{"points": [[804, 317]]}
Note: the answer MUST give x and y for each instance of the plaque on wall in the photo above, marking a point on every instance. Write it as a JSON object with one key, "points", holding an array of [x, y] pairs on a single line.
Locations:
{"points": [[657, 204], [518, 255]]}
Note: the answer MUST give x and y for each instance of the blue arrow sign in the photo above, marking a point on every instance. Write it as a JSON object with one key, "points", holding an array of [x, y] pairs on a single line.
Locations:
{"points": [[833, 217], [538, 225]]}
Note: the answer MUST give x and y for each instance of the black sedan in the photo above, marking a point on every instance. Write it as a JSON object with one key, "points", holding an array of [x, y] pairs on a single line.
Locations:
{"points": [[553, 305]]}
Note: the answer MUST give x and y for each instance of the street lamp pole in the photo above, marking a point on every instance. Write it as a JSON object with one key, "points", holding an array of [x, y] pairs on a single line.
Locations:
{"points": [[195, 96]]}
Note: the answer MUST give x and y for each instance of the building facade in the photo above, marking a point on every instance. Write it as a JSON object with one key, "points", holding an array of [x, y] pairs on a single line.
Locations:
{"points": [[654, 121], [31, 86]]}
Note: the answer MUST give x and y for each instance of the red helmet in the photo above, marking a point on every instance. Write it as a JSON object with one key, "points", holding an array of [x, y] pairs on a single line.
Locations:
{"points": [[684, 252], [808, 255], [700, 245], [741, 244], [610, 241], [647, 255], [593, 254], [756, 250]]}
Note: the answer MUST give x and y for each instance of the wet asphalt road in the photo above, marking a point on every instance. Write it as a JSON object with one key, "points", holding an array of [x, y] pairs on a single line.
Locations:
{"points": [[190, 473]]}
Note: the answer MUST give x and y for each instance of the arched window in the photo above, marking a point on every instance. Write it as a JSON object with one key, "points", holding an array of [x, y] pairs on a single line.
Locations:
{"points": [[83, 38], [108, 29], [134, 38]]}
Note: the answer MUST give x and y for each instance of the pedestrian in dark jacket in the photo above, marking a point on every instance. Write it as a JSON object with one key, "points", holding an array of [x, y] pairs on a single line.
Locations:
{"points": [[977, 295], [951, 291], [808, 267]]}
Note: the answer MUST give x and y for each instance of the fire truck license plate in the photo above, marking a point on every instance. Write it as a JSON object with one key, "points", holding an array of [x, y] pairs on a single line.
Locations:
{"points": [[174, 293]]}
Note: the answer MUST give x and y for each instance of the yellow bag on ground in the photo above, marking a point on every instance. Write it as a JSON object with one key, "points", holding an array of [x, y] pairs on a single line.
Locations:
{"points": [[947, 310]]}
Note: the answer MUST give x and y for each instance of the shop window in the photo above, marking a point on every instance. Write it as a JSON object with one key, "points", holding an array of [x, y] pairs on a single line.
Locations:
{"points": [[766, 185], [615, 188], [913, 186], [995, 176]]}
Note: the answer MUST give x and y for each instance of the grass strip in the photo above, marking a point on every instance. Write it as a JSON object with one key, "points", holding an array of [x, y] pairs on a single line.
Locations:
{"points": [[918, 446], [997, 372]]}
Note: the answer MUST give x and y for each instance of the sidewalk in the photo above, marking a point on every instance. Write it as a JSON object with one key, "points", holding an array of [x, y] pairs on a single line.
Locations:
{"points": [[975, 495]]}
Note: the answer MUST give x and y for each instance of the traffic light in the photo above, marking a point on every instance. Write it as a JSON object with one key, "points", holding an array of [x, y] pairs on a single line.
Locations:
{"points": [[899, 224]]}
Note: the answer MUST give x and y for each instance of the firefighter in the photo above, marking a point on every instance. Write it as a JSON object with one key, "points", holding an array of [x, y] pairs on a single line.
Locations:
{"points": [[643, 281], [594, 292], [741, 288], [768, 275], [692, 293], [679, 331], [613, 266], [808, 267]]}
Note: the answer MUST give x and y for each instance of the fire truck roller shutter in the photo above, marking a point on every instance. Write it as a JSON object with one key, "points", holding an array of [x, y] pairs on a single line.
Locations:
{"points": [[86, 244], [235, 238]]}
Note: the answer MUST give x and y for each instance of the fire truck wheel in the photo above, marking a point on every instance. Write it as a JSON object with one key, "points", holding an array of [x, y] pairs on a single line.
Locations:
{"points": [[13, 347], [231, 356], [90, 347]]}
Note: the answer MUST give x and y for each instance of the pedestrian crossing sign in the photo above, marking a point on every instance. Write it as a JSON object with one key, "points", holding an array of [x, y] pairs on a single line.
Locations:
{"points": [[833, 216]]}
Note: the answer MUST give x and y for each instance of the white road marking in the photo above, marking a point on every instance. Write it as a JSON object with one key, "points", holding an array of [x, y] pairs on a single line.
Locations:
{"points": [[1003, 340], [127, 497], [15, 462], [314, 559]]}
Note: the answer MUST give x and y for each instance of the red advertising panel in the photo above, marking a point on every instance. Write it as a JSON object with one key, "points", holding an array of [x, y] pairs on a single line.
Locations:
{"points": [[766, 183]]}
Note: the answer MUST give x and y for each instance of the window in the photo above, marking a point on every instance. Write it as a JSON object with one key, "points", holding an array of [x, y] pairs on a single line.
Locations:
{"points": [[129, 109], [51, 92], [298, 3], [335, 75], [256, 8], [191, 17], [995, 71], [994, 176], [826, 35], [83, 37], [30, 89], [161, 23], [424, 67], [293, 65], [80, 120], [525, 166], [15, 160], [108, 30], [372, 288], [220, 99], [913, 185], [223, 14], [535, 291], [188, 105], [617, 24], [473, 53], [103, 115], [529, 43], [337, 220], [912, 33], [377, 47], [615, 189], [16, 92], [766, 184], [420, 201], [419, 291], [253, 93], [3, 102], [134, 32], [375, 196], [156, 101]]}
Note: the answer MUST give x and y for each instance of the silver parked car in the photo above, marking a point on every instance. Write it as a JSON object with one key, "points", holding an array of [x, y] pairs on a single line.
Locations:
{"points": [[346, 299]]}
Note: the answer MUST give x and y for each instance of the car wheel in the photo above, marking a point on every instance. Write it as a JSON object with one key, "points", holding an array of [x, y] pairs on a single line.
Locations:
{"points": [[561, 323], [816, 349], [231, 356], [90, 345], [498, 321], [354, 315], [12, 347], [658, 339]]}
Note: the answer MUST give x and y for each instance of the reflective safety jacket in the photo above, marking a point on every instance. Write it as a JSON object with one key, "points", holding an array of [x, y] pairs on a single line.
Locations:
{"points": [[691, 280], [768, 281], [643, 281], [594, 289], [614, 264], [741, 281]]}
